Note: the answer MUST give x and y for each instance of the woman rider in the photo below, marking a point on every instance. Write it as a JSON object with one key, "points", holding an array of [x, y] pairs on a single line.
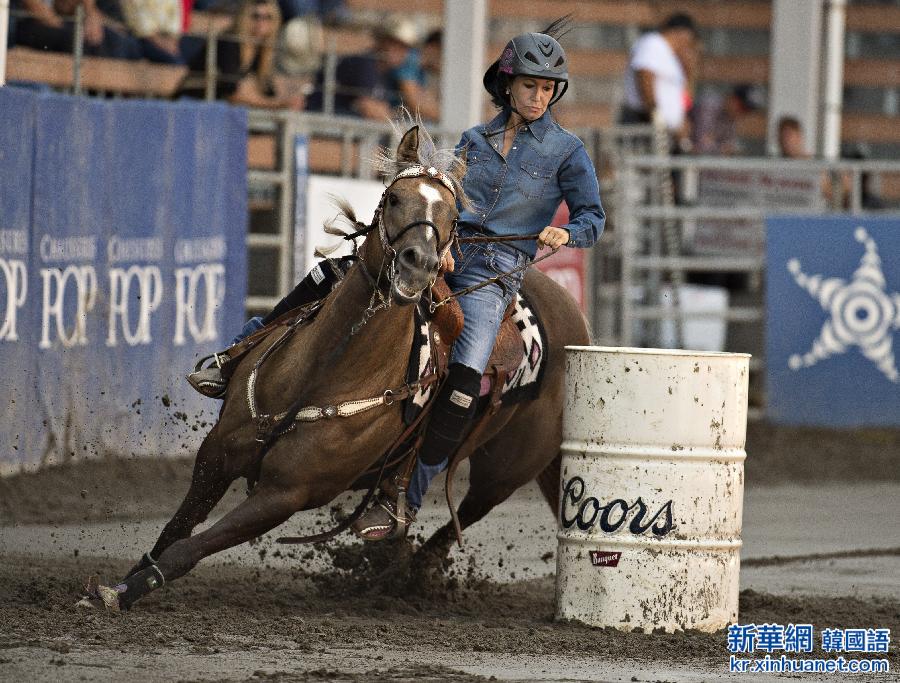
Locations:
{"points": [[521, 165]]}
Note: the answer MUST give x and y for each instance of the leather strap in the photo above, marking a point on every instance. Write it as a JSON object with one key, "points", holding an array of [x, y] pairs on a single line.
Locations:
{"points": [[500, 376], [243, 347], [370, 494]]}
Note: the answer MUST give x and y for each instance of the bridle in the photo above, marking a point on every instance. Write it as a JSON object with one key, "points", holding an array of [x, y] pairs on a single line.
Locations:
{"points": [[270, 427], [414, 172], [379, 300], [387, 272]]}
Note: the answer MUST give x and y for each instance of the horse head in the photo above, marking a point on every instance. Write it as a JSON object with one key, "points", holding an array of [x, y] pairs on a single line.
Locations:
{"points": [[417, 215]]}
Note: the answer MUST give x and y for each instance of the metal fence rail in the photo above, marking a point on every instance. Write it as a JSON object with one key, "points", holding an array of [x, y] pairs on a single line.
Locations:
{"points": [[649, 267], [346, 147]]}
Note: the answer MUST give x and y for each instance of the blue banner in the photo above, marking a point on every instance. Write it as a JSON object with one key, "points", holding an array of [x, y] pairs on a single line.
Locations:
{"points": [[18, 423], [136, 266], [833, 317]]}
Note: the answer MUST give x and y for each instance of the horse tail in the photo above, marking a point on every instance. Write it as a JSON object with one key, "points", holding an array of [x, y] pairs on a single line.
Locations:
{"points": [[548, 481]]}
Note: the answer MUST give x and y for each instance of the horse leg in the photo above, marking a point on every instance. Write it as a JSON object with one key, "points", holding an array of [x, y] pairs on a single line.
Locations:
{"points": [[494, 474], [478, 501], [264, 510], [209, 482], [548, 481]]}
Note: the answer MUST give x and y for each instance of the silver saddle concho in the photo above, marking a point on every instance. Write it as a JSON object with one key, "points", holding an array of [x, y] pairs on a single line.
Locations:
{"points": [[208, 380]]}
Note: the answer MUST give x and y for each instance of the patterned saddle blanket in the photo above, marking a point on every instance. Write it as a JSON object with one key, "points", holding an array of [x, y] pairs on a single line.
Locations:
{"points": [[519, 352]]}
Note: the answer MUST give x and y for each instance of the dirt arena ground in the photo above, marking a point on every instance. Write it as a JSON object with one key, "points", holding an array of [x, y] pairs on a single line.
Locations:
{"points": [[822, 546]]}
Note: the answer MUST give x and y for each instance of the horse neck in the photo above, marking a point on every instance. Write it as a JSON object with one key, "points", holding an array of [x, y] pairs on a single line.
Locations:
{"points": [[330, 345]]}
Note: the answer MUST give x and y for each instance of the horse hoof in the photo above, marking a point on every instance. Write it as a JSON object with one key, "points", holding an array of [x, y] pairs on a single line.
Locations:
{"points": [[97, 602], [97, 594]]}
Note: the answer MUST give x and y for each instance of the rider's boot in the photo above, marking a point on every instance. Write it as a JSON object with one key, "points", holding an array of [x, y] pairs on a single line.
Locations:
{"points": [[453, 412], [209, 380], [317, 284], [390, 515]]}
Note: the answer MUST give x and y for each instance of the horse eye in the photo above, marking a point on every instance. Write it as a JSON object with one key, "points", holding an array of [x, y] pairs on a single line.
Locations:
{"points": [[393, 200]]}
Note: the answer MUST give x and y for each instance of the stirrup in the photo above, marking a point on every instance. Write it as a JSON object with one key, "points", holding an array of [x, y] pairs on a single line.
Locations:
{"points": [[386, 519], [209, 381]]}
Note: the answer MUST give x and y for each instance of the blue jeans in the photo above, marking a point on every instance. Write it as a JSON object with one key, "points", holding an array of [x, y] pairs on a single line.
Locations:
{"points": [[483, 309]]}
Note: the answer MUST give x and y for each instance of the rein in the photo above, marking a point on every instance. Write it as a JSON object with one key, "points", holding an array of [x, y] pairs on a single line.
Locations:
{"points": [[497, 278], [500, 238]]}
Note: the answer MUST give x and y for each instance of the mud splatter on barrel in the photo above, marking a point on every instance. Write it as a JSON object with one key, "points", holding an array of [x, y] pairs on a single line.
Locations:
{"points": [[652, 488]]}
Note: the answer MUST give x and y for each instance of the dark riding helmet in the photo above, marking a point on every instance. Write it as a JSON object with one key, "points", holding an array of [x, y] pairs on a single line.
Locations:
{"points": [[530, 54]]}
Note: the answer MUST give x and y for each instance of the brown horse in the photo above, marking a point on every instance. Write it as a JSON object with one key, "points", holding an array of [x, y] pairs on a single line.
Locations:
{"points": [[332, 359]]}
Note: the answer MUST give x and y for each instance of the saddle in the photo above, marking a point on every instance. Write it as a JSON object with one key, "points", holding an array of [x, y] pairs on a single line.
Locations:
{"points": [[507, 352]]}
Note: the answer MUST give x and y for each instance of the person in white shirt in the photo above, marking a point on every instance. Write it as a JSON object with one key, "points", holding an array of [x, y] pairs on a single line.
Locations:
{"points": [[656, 85]]}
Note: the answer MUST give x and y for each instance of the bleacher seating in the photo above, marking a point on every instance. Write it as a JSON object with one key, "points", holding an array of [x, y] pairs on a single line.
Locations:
{"points": [[117, 76], [590, 106]]}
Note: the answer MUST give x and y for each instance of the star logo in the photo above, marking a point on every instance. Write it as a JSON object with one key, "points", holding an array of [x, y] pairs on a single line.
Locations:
{"points": [[862, 312]]}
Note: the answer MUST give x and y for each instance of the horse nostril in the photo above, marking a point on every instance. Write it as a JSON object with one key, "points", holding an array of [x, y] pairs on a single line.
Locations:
{"points": [[418, 258]]}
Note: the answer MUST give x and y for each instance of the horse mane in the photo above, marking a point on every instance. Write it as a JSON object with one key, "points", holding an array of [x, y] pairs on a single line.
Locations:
{"points": [[428, 154], [387, 164], [346, 215]]}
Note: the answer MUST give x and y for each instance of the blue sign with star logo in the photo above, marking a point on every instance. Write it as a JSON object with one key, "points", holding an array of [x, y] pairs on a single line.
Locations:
{"points": [[833, 320]]}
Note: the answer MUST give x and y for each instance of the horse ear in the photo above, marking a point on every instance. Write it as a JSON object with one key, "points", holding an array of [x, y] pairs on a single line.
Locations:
{"points": [[408, 149]]}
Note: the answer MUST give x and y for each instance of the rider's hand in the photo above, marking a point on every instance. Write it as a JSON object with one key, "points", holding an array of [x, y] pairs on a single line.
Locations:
{"points": [[447, 263], [553, 237]]}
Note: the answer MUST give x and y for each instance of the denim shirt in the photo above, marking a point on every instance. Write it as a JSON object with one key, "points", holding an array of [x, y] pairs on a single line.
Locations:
{"points": [[520, 194]]}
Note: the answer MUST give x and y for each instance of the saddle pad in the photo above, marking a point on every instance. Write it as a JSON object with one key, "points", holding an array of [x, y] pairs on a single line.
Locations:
{"points": [[521, 385], [525, 383]]}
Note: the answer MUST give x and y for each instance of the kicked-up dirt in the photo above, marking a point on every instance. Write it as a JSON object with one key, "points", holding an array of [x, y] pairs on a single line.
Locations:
{"points": [[343, 619], [369, 616]]}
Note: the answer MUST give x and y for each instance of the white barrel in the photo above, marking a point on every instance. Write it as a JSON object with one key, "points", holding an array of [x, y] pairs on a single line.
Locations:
{"points": [[652, 488]]}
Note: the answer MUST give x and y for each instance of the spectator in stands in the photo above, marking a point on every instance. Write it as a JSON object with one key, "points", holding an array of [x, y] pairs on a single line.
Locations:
{"points": [[791, 144], [656, 79], [835, 187], [245, 58], [714, 119], [50, 26], [690, 57], [432, 54], [870, 200], [112, 10], [301, 45], [368, 84], [407, 84], [422, 92], [158, 26]]}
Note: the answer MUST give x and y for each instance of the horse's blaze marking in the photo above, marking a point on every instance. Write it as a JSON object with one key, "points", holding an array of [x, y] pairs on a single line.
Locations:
{"points": [[432, 196]]}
